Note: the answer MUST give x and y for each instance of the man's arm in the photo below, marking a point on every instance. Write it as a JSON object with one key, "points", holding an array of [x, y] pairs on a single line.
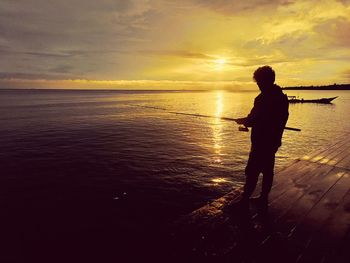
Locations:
{"points": [[252, 116]]}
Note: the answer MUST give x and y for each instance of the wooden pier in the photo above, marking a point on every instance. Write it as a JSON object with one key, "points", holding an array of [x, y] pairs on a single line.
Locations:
{"points": [[308, 218]]}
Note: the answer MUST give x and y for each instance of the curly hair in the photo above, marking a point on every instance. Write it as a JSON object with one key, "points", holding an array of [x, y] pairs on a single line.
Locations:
{"points": [[264, 74]]}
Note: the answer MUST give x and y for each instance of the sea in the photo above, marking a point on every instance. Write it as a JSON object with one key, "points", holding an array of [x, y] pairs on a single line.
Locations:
{"points": [[103, 169]]}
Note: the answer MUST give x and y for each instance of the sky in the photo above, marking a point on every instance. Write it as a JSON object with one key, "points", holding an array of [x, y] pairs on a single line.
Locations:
{"points": [[175, 44]]}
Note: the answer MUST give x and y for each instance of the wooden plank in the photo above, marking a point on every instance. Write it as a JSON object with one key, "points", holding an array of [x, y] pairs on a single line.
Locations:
{"points": [[328, 152], [290, 188], [344, 250], [294, 175], [310, 226], [282, 202], [345, 163], [291, 211], [324, 208], [332, 157], [338, 141], [331, 237], [336, 156], [338, 225], [293, 169], [324, 151], [310, 196], [299, 168]]}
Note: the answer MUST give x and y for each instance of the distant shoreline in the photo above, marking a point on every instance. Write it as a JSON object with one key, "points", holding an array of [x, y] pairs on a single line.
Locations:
{"points": [[327, 87]]}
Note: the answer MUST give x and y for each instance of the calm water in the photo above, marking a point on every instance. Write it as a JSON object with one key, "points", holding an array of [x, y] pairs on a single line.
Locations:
{"points": [[80, 163]]}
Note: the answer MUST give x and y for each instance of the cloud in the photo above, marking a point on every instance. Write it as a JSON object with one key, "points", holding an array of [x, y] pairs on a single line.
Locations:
{"points": [[256, 61], [62, 69], [335, 32], [170, 40], [346, 75], [178, 53], [230, 7], [51, 24], [91, 36], [344, 2], [30, 76], [55, 27], [38, 53]]}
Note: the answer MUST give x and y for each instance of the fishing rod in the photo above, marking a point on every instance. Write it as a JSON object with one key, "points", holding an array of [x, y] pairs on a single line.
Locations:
{"points": [[207, 116]]}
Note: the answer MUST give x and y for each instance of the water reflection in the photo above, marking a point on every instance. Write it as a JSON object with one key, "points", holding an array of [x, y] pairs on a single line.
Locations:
{"points": [[217, 128], [219, 180]]}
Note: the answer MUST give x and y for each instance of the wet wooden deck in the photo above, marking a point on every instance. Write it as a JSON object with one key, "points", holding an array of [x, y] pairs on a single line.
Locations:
{"points": [[308, 219]]}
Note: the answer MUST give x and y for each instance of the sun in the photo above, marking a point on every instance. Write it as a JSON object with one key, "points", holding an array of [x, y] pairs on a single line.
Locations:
{"points": [[219, 63]]}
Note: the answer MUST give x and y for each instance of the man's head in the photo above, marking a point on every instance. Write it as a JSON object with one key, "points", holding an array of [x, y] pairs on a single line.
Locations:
{"points": [[264, 77]]}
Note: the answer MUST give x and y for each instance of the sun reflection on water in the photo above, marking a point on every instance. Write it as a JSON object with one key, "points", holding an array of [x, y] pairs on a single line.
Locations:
{"points": [[219, 104], [217, 128], [219, 180]]}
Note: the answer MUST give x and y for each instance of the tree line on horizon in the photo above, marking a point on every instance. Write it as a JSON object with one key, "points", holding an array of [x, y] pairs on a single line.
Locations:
{"points": [[324, 87]]}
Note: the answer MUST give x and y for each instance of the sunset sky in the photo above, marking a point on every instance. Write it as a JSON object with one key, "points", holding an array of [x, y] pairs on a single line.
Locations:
{"points": [[172, 44]]}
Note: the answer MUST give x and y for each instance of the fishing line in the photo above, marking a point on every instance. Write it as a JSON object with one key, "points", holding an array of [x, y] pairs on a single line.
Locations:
{"points": [[206, 116]]}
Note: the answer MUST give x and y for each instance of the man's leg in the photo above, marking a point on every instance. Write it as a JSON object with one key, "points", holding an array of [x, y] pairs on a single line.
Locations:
{"points": [[268, 173], [250, 184], [266, 184], [252, 172], [248, 189]]}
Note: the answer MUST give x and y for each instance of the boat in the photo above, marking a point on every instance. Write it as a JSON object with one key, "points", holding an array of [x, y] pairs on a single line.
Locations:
{"points": [[295, 99]]}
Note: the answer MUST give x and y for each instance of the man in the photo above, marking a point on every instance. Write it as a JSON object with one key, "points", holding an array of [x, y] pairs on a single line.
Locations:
{"points": [[267, 119]]}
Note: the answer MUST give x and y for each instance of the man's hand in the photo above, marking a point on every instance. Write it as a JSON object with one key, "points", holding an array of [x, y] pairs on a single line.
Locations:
{"points": [[241, 121]]}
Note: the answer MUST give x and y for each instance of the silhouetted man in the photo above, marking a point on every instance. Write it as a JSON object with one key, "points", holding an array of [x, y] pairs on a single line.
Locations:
{"points": [[267, 119]]}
